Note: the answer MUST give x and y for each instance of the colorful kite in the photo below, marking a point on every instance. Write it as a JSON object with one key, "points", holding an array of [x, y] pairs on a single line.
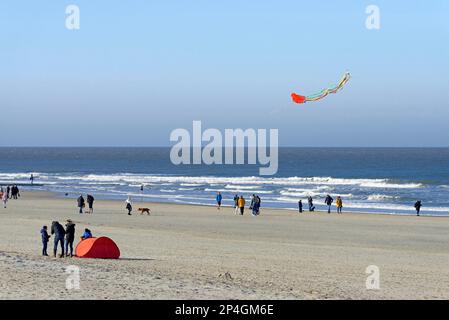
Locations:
{"points": [[323, 93]]}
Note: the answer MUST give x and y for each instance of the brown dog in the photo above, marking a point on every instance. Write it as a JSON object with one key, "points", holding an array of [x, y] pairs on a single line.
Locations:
{"points": [[144, 210]]}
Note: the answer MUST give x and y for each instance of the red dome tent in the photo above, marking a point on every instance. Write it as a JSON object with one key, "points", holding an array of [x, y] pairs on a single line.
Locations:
{"points": [[100, 248]]}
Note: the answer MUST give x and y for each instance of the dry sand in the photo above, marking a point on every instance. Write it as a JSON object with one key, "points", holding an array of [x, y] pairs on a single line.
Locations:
{"points": [[198, 252]]}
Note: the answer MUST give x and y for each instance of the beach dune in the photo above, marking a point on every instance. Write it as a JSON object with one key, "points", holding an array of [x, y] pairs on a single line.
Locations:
{"points": [[198, 252]]}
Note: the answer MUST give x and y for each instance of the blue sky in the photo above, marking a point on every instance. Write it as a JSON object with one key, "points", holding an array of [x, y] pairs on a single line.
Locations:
{"points": [[136, 70]]}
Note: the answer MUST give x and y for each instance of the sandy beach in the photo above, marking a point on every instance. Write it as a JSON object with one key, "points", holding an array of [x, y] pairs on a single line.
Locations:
{"points": [[198, 252]]}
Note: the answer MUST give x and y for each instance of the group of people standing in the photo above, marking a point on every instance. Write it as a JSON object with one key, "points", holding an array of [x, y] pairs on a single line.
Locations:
{"points": [[239, 204], [63, 237], [327, 201], [10, 192]]}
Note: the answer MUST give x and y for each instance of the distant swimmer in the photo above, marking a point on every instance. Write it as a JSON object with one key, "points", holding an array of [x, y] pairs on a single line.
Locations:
{"points": [[418, 206], [32, 179]]}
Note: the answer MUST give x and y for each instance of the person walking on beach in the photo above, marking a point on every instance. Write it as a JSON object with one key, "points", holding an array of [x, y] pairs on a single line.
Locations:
{"points": [[256, 206], [45, 238], [339, 204], [310, 202], [81, 203], [300, 206], [58, 230], [328, 201], [418, 206], [253, 197], [241, 205], [219, 198], [90, 201], [8, 190], [69, 237], [236, 204], [4, 199], [129, 206]]}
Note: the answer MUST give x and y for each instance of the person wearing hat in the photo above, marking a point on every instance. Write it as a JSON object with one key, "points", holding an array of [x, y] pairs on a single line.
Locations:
{"points": [[69, 237]]}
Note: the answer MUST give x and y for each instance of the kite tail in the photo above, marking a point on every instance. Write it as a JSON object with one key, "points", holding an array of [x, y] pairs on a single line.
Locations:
{"points": [[323, 93]]}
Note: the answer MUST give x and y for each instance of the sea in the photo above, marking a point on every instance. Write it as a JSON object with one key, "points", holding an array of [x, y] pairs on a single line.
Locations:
{"points": [[369, 180]]}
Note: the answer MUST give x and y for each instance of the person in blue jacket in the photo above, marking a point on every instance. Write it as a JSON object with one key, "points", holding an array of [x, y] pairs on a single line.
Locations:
{"points": [[86, 235], [219, 198], [45, 238]]}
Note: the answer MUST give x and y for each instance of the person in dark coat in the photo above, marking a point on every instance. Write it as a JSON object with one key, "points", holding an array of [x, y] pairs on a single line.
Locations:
{"points": [[69, 237], [90, 201], [418, 206], [58, 230], [328, 201], [300, 206], [311, 206], [81, 203], [45, 238]]}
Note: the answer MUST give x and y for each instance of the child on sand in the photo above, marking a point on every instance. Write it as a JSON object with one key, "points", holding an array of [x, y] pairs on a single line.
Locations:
{"points": [[45, 238], [86, 235]]}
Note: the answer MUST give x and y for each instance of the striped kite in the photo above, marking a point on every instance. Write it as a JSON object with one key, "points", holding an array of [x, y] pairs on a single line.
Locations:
{"points": [[323, 93]]}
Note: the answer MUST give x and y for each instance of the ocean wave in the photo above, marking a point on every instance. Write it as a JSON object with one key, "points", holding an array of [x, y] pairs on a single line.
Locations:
{"points": [[379, 197], [246, 182], [234, 186], [312, 194], [393, 207], [239, 191]]}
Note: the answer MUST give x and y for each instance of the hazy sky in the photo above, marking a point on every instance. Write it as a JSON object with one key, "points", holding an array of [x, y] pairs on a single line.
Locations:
{"points": [[136, 70]]}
